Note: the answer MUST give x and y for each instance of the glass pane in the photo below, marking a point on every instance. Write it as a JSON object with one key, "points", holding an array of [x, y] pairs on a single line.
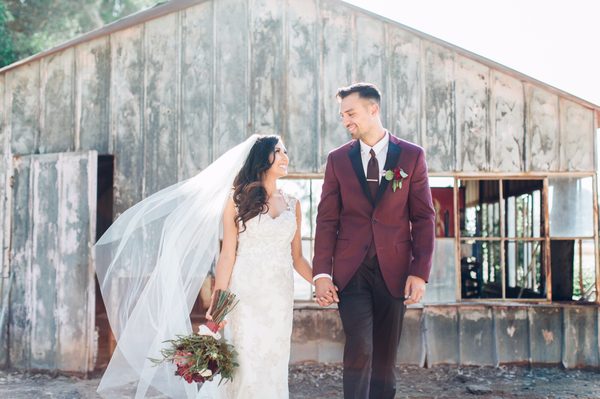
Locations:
{"points": [[571, 207], [481, 275], [584, 271], [523, 208], [442, 281], [442, 193], [300, 189], [316, 186], [302, 288], [479, 207], [525, 274]]}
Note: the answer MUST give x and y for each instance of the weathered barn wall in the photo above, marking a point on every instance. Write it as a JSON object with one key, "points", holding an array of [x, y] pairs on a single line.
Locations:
{"points": [[476, 334]]}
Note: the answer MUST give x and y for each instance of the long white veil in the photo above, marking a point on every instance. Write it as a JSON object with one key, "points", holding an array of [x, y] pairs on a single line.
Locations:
{"points": [[151, 264]]}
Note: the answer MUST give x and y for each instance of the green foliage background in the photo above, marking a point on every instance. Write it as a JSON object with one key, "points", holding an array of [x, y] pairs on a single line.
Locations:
{"points": [[30, 26]]}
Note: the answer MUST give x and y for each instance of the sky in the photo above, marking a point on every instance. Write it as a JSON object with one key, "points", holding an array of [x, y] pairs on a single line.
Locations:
{"points": [[554, 41]]}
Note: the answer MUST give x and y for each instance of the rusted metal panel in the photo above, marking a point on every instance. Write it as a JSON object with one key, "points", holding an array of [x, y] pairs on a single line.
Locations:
{"points": [[127, 99], [337, 63], [370, 55], [302, 85], [542, 130], [580, 337], [21, 306], [161, 103], [52, 303], [472, 105], [267, 94], [576, 137], [476, 336], [507, 110], [305, 336], [438, 107], [545, 334], [57, 117], [231, 85], [404, 97], [441, 335], [197, 101], [92, 60], [331, 346], [75, 314], [512, 334], [412, 345], [23, 88]]}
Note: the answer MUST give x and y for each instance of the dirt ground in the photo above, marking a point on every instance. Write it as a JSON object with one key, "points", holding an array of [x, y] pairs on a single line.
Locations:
{"points": [[319, 381]]}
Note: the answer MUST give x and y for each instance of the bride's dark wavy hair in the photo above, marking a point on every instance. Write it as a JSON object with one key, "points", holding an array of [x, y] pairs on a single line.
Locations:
{"points": [[249, 194]]}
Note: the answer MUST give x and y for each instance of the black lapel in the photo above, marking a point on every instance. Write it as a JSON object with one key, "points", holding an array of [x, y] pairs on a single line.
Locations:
{"points": [[391, 161], [354, 155]]}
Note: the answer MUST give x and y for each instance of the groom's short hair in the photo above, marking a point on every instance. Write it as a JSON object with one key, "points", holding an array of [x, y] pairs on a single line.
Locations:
{"points": [[364, 90]]}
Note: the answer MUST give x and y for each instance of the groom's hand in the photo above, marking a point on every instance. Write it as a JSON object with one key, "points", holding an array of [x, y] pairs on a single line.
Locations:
{"points": [[325, 291], [414, 290]]}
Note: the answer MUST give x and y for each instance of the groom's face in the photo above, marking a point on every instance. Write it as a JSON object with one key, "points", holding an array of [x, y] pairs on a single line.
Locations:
{"points": [[358, 114]]}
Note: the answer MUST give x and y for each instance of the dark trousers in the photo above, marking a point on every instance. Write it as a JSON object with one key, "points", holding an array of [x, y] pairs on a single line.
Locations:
{"points": [[372, 320]]}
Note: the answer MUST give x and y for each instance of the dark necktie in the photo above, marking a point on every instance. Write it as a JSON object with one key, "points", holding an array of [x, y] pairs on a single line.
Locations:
{"points": [[373, 174]]}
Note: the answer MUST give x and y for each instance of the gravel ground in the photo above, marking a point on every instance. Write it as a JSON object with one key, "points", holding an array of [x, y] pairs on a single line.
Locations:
{"points": [[319, 381]]}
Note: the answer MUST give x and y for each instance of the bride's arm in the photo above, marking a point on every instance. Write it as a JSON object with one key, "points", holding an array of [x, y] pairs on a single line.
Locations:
{"points": [[301, 265]]}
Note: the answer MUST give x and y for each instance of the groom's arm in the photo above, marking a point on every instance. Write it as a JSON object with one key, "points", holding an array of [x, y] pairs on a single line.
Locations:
{"points": [[422, 219], [328, 218]]}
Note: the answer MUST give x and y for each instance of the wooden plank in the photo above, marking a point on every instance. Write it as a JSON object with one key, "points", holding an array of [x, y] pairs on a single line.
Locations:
{"points": [[57, 132], [542, 130], [302, 85], [92, 130], [476, 336], [441, 335], [507, 108], [127, 96], [404, 102], [267, 68], [337, 60], [370, 56], [545, 334], [511, 326], [19, 320], [4, 270], [44, 258], [23, 92], [576, 137], [438, 107], [472, 136], [75, 292], [231, 84], [580, 337], [161, 104], [197, 101]]}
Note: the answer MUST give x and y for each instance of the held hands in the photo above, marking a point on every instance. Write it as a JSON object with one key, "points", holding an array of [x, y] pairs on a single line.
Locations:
{"points": [[414, 290], [325, 292]]}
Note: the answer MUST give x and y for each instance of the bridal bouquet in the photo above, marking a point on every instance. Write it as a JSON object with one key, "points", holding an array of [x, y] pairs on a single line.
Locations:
{"points": [[200, 356]]}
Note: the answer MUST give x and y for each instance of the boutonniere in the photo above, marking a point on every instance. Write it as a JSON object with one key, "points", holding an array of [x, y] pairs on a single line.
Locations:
{"points": [[396, 176]]}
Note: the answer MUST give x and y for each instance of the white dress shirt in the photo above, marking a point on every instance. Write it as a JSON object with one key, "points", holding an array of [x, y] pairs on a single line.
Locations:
{"points": [[380, 149]]}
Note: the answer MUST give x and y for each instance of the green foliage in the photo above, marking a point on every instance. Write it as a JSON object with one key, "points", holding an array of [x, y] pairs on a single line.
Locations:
{"points": [[30, 26]]}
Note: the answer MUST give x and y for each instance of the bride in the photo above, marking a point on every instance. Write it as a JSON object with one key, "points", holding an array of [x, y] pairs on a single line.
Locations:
{"points": [[154, 258]]}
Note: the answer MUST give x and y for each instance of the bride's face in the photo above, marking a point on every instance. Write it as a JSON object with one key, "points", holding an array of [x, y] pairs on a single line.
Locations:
{"points": [[281, 161]]}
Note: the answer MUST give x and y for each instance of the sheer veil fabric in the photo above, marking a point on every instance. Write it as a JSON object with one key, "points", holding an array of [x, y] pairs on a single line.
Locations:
{"points": [[151, 264]]}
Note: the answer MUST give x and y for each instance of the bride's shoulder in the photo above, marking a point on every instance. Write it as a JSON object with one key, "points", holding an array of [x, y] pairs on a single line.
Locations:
{"points": [[289, 199]]}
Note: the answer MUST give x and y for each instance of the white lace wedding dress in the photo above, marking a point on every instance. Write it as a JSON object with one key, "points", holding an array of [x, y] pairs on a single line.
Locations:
{"points": [[260, 326]]}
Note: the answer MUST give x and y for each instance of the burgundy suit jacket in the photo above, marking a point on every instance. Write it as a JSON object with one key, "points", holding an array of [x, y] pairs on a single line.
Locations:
{"points": [[401, 222]]}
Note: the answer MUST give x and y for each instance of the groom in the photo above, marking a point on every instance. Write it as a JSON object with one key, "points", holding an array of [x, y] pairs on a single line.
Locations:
{"points": [[374, 240]]}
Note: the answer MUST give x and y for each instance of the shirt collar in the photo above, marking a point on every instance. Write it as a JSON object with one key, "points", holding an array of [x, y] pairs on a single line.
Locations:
{"points": [[378, 147]]}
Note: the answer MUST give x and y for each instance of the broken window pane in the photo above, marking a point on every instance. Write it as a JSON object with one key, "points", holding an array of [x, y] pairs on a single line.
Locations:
{"points": [[479, 203], [524, 269], [442, 193], [570, 204], [523, 208], [573, 270], [481, 273], [441, 286]]}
